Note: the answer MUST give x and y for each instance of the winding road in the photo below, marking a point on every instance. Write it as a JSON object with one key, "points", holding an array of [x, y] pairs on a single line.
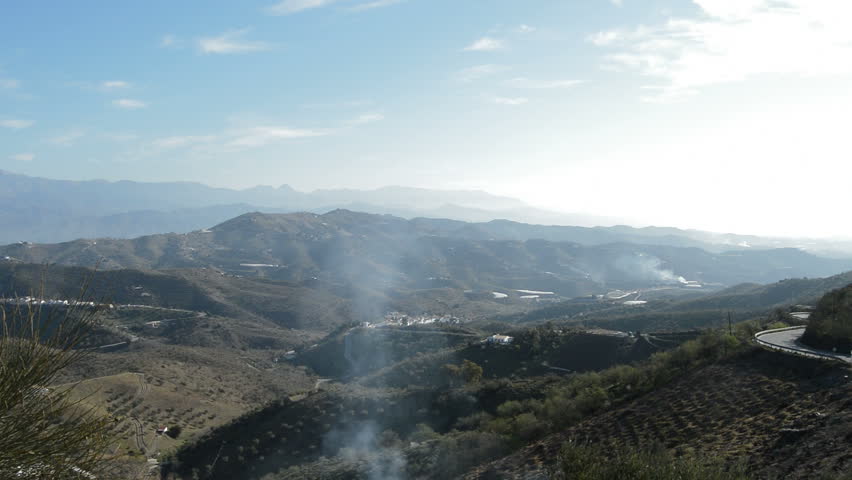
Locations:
{"points": [[787, 340]]}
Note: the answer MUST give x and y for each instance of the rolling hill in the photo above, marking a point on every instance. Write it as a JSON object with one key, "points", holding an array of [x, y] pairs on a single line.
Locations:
{"points": [[382, 252]]}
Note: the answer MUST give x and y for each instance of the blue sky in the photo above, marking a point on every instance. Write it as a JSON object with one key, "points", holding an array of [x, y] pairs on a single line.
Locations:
{"points": [[716, 114]]}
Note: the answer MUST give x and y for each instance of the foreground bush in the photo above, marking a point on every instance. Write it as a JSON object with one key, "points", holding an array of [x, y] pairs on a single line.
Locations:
{"points": [[830, 326], [43, 432]]}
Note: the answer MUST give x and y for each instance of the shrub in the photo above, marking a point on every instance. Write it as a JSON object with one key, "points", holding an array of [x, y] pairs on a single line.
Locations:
{"points": [[830, 326]]}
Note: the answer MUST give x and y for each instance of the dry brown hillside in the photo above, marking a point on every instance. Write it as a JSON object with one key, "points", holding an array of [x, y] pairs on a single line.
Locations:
{"points": [[783, 417]]}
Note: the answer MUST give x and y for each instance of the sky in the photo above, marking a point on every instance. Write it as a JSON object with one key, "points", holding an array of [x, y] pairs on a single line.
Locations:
{"points": [[723, 115]]}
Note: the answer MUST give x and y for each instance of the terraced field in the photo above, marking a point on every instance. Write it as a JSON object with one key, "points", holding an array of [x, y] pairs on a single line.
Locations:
{"points": [[782, 417], [139, 405]]}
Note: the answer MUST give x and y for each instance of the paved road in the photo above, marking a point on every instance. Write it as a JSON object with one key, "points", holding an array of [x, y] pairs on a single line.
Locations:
{"points": [[787, 339]]}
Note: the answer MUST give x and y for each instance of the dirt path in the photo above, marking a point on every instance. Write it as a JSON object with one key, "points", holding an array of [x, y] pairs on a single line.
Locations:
{"points": [[139, 428], [139, 435]]}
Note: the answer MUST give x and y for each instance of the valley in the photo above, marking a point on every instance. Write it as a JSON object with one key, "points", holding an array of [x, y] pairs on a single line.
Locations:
{"points": [[327, 346], [425, 240]]}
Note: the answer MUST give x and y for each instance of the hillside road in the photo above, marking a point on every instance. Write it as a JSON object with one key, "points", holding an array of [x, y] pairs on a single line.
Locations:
{"points": [[787, 340]]}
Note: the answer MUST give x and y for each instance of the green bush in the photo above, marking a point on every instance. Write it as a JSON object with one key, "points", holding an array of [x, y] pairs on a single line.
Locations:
{"points": [[830, 326]]}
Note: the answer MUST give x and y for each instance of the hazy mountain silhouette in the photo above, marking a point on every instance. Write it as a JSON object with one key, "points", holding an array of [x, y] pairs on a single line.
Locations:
{"points": [[43, 210]]}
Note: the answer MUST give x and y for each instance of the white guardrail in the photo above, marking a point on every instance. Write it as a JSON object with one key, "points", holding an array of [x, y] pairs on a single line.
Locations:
{"points": [[793, 350]]}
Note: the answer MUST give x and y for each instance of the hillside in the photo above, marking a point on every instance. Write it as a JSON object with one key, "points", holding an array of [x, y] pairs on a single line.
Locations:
{"points": [[187, 385], [432, 401], [420, 399], [788, 291], [533, 352], [494, 415], [782, 417], [355, 352], [687, 311], [278, 304], [380, 253], [398, 357]]}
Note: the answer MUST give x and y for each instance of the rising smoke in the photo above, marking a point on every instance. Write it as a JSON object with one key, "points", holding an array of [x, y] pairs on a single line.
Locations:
{"points": [[374, 278], [362, 444], [648, 268]]}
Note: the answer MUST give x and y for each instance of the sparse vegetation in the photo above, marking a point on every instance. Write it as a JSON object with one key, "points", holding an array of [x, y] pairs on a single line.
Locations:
{"points": [[583, 462], [830, 326]]}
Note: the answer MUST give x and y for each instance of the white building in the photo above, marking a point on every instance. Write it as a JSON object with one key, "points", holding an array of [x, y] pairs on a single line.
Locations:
{"points": [[499, 339]]}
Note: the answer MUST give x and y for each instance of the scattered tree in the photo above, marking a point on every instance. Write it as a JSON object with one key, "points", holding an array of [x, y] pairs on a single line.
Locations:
{"points": [[471, 372]]}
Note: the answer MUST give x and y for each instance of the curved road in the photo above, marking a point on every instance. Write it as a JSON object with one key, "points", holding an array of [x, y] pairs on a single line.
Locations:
{"points": [[787, 340]]}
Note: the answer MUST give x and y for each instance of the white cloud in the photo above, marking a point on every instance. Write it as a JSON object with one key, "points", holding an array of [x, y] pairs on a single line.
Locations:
{"points": [[246, 136], [368, 118], [129, 103], [732, 41], [374, 4], [476, 72], [114, 84], [68, 138], [16, 123], [524, 28], [231, 42], [512, 102], [485, 44], [8, 83], [23, 157], [345, 104], [605, 38], [522, 82], [265, 135], [287, 7], [183, 141]]}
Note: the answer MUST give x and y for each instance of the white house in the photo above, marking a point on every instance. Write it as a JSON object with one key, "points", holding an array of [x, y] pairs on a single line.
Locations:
{"points": [[499, 339]]}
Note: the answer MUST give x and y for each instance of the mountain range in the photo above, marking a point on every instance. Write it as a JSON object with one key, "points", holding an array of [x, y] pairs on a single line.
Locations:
{"points": [[385, 253], [46, 210], [36, 209]]}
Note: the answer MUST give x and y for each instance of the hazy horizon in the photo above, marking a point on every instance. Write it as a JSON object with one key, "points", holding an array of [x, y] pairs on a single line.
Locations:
{"points": [[604, 221], [719, 115]]}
